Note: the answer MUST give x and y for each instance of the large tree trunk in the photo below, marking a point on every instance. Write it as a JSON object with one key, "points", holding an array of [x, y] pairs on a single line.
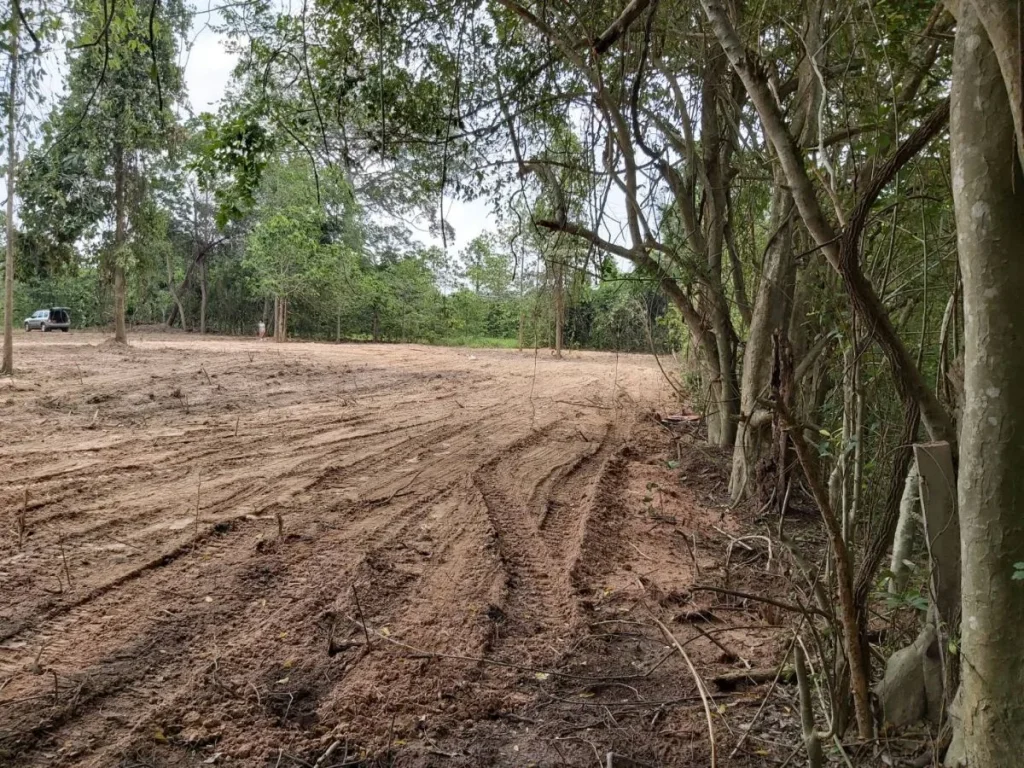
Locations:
{"points": [[988, 193], [12, 157], [120, 335], [771, 312]]}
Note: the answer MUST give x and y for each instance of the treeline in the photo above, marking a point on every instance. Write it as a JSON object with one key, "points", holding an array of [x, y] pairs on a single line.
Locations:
{"points": [[483, 295]]}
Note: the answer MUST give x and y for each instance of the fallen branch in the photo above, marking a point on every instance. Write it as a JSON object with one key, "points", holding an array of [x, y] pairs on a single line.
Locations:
{"points": [[762, 599], [701, 688]]}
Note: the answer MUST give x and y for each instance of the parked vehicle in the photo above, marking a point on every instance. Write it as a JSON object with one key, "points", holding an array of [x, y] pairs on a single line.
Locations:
{"points": [[53, 319]]}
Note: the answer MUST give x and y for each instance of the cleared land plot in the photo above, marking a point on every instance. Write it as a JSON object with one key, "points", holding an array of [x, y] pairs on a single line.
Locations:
{"points": [[197, 531]]}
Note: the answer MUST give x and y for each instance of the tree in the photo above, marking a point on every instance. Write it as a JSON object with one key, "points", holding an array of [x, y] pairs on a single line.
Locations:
{"points": [[289, 252], [24, 74], [990, 226], [117, 116], [7, 366]]}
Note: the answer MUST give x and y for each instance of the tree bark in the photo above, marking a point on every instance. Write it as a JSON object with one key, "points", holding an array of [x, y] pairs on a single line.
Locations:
{"points": [[906, 527], [12, 157], [202, 298], [1003, 23], [559, 307], [988, 195], [772, 307], [174, 294], [120, 335]]}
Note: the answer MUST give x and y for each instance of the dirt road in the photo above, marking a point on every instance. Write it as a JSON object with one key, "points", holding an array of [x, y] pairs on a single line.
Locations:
{"points": [[198, 531]]}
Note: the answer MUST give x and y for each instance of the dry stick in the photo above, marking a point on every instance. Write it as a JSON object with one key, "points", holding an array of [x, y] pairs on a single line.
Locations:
{"points": [[762, 599], [237, 419], [729, 652], [203, 369], [403, 487], [391, 737], [64, 557], [199, 490], [362, 621], [764, 701], [634, 546], [701, 688], [811, 742], [22, 522]]}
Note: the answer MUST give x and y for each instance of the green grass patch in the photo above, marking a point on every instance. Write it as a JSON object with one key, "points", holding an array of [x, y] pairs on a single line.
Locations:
{"points": [[480, 342]]}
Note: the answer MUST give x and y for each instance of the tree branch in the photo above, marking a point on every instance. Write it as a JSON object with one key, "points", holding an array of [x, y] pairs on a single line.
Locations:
{"points": [[618, 27]]}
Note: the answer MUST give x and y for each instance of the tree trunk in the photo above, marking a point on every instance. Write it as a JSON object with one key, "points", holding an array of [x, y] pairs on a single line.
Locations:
{"points": [[841, 250], [559, 307], [202, 298], [988, 197], [174, 294], [771, 311], [120, 335], [337, 327], [903, 541], [12, 157], [280, 319]]}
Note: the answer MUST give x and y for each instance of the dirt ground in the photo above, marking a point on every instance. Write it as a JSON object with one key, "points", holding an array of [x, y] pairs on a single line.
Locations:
{"points": [[226, 552]]}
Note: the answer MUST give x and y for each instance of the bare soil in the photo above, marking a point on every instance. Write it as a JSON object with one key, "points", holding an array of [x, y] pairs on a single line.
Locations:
{"points": [[226, 552]]}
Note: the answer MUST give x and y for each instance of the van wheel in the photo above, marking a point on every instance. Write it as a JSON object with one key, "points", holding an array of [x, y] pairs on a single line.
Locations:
{"points": [[65, 329], [43, 328]]}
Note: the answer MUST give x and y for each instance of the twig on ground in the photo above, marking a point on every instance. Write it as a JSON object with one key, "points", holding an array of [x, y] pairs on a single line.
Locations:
{"points": [[403, 487], [701, 688], [330, 751], [391, 739], [63, 555], [22, 521], [199, 490], [764, 701], [691, 548], [634, 546], [762, 599], [730, 654], [362, 620]]}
